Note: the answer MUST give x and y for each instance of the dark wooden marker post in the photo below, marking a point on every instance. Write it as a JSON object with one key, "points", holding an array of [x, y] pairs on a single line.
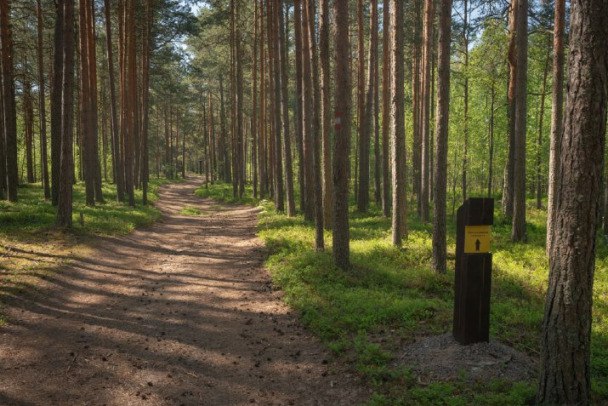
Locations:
{"points": [[473, 271]]}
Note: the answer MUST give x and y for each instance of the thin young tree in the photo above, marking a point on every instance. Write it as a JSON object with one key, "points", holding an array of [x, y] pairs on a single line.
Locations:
{"points": [[9, 112], [341, 232], [44, 165], [566, 333], [518, 232], [556, 111], [509, 177], [284, 65], [399, 226], [386, 107], [66, 159], [429, 18], [441, 138], [325, 70]]}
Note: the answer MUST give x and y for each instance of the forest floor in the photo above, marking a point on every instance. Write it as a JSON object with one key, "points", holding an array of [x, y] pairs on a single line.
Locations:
{"points": [[179, 312]]}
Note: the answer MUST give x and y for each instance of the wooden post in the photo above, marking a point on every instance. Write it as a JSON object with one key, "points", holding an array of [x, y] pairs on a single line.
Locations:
{"points": [[473, 271]]}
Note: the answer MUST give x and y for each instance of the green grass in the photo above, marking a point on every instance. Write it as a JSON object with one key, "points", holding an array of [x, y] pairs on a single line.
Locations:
{"points": [[391, 297], [31, 248]]}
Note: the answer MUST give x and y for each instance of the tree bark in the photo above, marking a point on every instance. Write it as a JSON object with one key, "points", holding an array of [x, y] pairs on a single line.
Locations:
{"points": [[557, 104], [386, 108], [518, 232], [324, 60], [44, 165], [28, 121], [342, 114], [284, 65], [9, 105], [399, 226], [508, 189], [429, 17], [441, 138], [565, 349], [66, 160]]}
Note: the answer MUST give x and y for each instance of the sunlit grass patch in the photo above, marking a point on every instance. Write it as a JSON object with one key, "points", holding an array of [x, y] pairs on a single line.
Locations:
{"points": [[391, 296]]}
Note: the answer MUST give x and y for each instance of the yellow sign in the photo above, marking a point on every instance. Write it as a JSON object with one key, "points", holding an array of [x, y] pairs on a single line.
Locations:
{"points": [[477, 239]]}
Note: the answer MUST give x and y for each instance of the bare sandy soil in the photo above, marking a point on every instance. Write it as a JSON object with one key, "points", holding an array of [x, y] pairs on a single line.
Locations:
{"points": [[180, 313]]}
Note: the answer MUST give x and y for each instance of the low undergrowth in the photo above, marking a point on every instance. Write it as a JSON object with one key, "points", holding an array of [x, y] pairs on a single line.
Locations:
{"points": [[391, 296]]}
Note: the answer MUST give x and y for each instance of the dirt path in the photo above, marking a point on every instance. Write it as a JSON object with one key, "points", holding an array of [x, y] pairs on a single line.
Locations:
{"points": [[181, 313]]}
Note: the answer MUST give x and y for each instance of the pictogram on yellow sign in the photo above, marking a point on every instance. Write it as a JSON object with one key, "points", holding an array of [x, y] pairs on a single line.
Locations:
{"points": [[477, 239]]}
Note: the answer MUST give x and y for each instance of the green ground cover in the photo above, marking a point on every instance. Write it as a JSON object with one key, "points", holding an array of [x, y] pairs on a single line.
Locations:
{"points": [[391, 297]]}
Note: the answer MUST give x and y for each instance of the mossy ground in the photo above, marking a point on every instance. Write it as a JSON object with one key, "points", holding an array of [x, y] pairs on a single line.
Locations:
{"points": [[31, 247], [391, 296]]}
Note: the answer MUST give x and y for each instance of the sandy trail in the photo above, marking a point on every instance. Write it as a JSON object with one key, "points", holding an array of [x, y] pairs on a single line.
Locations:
{"points": [[180, 313]]}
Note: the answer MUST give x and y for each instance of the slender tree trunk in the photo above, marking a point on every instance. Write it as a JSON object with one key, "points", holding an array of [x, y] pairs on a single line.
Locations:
{"points": [[66, 160], [399, 225], [44, 165], [508, 189], [417, 105], [28, 121], [557, 113], [518, 232], [539, 139], [254, 99], [491, 141], [145, 99], [386, 107], [465, 149], [308, 118], [117, 162], [299, 99], [324, 60], [316, 125], [429, 17], [566, 338], [278, 128], [363, 133], [291, 203], [441, 138], [56, 92], [9, 107], [341, 233]]}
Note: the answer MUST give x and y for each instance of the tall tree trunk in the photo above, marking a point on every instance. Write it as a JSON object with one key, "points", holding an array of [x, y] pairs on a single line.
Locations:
{"points": [[28, 121], [441, 138], [117, 161], [363, 134], [56, 92], [299, 99], [254, 99], [44, 165], [399, 225], [465, 149], [324, 61], [518, 232], [9, 107], [386, 107], [145, 99], [341, 232], [276, 70], [239, 101], [308, 118], [508, 189], [417, 105], [565, 342], [316, 125], [291, 202], [539, 139], [556, 113], [491, 140], [66, 160], [429, 18], [86, 104], [366, 118]]}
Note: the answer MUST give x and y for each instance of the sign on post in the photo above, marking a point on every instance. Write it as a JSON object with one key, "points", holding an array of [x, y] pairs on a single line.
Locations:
{"points": [[473, 271]]}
